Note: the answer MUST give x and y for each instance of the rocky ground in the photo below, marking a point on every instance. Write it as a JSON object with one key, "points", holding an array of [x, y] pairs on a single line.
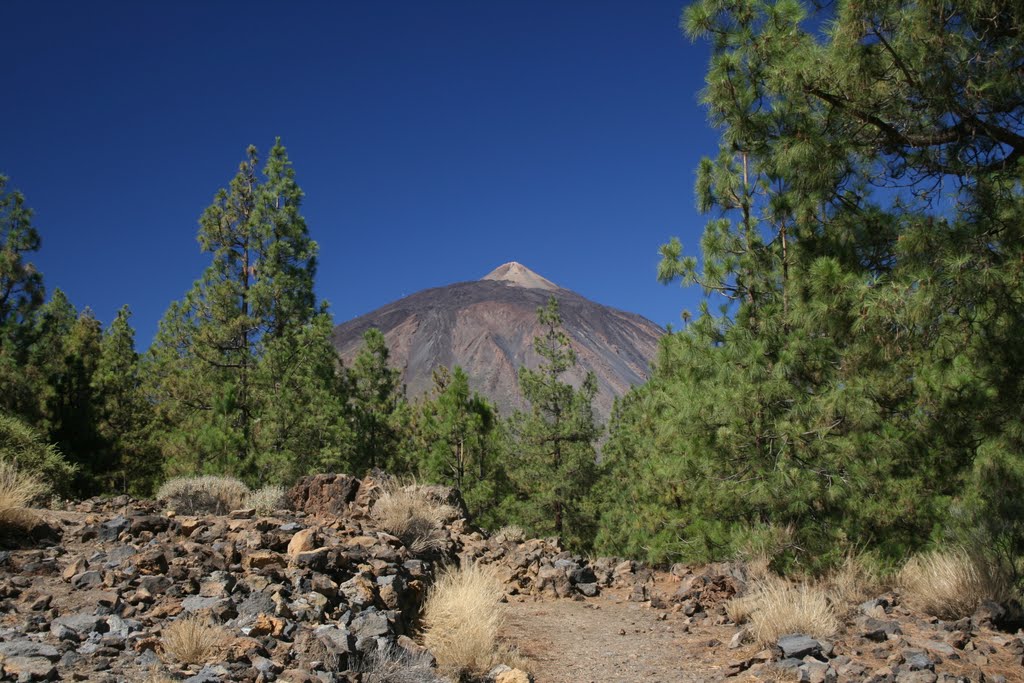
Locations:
{"points": [[309, 594]]}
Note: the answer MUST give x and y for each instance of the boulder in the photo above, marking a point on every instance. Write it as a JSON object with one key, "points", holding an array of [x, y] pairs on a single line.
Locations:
{"points": [[323, 494]]}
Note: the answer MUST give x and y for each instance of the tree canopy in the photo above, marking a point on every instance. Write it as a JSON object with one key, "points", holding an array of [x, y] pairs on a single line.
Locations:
{"points": [[855, 370]]}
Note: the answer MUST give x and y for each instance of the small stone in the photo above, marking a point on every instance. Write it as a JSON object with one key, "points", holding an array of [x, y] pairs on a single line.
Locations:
{"points": [[29, 668], [75, 567], [29, 648], [197, 603], [369, 625], [81, 624], [87, 579], [155, 585], [266, 625], [936, 647], [261, 559], [302, 541], [917, 660], [151, 562], [737, 639], [798, 645], [878, 630]]}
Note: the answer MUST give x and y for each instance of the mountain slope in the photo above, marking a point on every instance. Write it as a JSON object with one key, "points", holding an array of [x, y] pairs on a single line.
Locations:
{"points": [[487, 326]]}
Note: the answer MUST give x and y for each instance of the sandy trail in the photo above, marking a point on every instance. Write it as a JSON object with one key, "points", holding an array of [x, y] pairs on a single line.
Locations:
{"points": [[609, 639]]}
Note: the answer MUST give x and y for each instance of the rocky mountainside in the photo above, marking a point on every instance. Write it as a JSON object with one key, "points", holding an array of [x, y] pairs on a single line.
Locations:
{"points": [[487, 327]]}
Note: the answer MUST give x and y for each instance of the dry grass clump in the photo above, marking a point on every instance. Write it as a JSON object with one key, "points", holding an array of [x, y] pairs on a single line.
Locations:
{"points": [[762, 546], [739, 609], [203, 495], [853, 582], [18, 488], [512, 533], [192, 640], [266, 500], [775, 608], [397, 665], [950, 584], [413, 515], [461, 617]]}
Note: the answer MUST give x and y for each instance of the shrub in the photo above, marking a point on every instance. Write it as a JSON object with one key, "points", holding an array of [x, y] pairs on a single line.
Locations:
{"points": [[397, 665], [205, 494], [266, 500], [951, 584], [461, 618], [780, 608], [24, 446], [413, 515], [18, 488], [192, 640], [512, 533]]}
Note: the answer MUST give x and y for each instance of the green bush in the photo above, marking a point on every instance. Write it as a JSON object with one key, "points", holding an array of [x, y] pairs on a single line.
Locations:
{"points": [[25, 447]]}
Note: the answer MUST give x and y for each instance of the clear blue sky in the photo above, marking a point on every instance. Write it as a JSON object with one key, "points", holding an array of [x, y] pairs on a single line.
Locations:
{"points": [[434, 140]]}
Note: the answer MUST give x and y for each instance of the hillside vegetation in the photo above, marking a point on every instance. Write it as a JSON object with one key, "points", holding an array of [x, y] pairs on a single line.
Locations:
{"points": [[853, 381]]}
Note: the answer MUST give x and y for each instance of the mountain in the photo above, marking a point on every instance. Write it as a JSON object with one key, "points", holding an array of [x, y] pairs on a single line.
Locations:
{"points": [[487, 326]]}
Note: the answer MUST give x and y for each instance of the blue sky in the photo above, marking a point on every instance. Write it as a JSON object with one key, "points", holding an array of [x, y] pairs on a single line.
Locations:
{"points": [[434, 141]]}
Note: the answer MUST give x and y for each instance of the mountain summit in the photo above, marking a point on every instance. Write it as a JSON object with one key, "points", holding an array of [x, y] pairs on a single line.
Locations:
{"points": [[519, 275], [487, 326]]}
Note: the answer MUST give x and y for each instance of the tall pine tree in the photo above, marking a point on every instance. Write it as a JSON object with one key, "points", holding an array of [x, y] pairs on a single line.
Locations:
{"points": [[377, 409], [853, 373], [239, 361], [21, 294], [554, 465], [458, 441]]}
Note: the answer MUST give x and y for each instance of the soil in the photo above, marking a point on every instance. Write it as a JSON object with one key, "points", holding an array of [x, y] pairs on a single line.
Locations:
{"points": [[610, 639]]}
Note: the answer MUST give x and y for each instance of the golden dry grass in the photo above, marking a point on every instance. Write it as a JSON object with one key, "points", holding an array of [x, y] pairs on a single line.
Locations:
{"points": [[413, 515], [775, 608], [205, 494], [193, 640], [18, 488], [853, 582], [739, 609], [461, 617], [395, 665], [950, 584]]}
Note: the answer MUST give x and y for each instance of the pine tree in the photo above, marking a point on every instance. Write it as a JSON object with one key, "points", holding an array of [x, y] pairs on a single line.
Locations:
{"points": [[123, 415], [21, 294], [377, 409], [860, 371], [458, 442], [225, 368], [555, 441], [21, 285]]}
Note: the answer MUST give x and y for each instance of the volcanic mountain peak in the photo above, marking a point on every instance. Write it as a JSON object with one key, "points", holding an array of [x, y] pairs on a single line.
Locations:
{"points": [[487, 328], [518, 275]]}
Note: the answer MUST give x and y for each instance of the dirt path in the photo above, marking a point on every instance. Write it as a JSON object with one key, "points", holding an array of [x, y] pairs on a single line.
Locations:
{"points": [[607, 639]]}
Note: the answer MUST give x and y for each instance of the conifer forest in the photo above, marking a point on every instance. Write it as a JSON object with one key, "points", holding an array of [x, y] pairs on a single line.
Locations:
{"points": [[852, 382]]}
